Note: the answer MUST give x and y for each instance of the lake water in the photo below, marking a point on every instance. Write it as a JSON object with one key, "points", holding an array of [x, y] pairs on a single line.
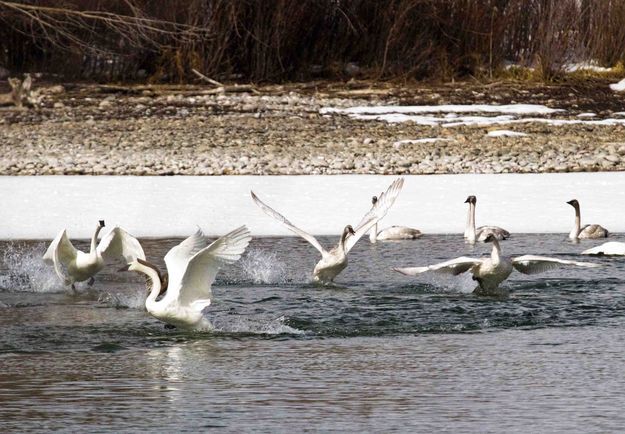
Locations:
{"points": [[385, 353]]}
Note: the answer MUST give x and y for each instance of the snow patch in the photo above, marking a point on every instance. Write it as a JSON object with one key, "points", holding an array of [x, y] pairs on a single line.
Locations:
{"points": [[585, 66], [505, 133], [401, 143], [587, 115], [618, 87], [509, 109]]}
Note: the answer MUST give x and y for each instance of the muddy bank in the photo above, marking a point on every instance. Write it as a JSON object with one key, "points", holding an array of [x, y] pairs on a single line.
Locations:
{"points": [[194, 130]]}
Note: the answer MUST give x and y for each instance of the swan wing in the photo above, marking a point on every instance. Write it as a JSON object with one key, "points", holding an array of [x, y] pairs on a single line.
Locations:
{"points": [[376, 213], [454, 266], [120, 244], [202, 268], [276, 215], [60, 253], [609, 248], [178, 257], [531, 264]]}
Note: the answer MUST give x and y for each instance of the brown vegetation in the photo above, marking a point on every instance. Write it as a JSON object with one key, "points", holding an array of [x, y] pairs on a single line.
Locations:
{"points": [[259, 40]]}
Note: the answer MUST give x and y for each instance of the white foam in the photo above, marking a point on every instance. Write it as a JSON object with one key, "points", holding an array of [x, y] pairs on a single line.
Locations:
{"points": [[505, 133]]}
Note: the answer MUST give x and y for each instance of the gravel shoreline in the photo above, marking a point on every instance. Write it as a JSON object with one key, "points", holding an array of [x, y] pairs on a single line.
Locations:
{"points": [[191, 130]]}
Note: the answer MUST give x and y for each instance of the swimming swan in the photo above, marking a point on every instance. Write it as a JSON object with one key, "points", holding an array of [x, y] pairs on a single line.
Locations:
{"points": [[609, 248], [392, 233], [335, 260], [490, 272], [192, 266], [472, 235], [72, 265], [588, 231]]}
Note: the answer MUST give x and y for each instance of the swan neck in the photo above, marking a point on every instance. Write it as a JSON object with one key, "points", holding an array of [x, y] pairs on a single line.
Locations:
{"points": [[578, 224], [373, 233], [495, 255], [152, 274], [469, 231], [94, 241], [342, 240]]}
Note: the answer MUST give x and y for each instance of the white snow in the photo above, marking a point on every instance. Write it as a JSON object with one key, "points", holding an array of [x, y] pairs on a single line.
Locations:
{"points": [[587, 115], [510, 109], [398, 144], [505, 133], [618, 87], [38, 207], [585, 66]]}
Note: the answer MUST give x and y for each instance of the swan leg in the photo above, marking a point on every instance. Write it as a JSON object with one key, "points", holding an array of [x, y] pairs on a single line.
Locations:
{"points": [[74, 290], [91, 281]]}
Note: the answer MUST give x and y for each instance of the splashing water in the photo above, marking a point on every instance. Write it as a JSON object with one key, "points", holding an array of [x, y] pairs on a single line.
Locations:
{"points": [[263, 267], [131, 300], [238, 324], [27, 271]]}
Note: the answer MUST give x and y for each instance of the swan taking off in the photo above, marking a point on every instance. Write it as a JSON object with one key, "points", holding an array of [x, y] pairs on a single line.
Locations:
{"points": [[472, 235], [392, 233], [588, 232], [72, 265], [609, 248], [335, 260], [490, 272], [192, 267]]}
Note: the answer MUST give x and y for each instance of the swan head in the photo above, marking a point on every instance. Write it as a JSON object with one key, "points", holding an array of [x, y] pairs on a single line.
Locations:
{"points": [[574, 203], [471, 199], [349, 230], [374, 200], [101, 223]]}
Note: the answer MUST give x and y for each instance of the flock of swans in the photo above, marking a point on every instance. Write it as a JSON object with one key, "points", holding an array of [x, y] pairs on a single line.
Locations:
{"points": [[193, 264]]}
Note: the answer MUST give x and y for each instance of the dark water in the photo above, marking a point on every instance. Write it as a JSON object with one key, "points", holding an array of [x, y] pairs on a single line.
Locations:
{"points": [[385, 353]]}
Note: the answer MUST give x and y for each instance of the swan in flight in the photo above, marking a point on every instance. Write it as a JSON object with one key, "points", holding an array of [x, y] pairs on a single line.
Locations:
{"points": [[609, 248], [335, 260], [490, 272], [587, 232], [471, 234], [192, 267], [72, 265], [392, 233]]}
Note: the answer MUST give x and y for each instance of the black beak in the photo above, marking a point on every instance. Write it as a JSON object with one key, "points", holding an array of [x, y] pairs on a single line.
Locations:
{"points": [[467, 201], [124, 268], [101, 223]]}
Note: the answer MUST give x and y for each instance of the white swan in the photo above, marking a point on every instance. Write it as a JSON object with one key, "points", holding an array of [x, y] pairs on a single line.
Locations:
{"points": [[335, 260], [192, 267], [392, 233], [471, 234], [587, 232], [72, 265], [609, 248], [490, 272]]}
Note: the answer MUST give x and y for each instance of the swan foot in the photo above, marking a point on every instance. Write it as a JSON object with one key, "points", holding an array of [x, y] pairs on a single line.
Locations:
{"points": [[74, 290], [91, 281]]}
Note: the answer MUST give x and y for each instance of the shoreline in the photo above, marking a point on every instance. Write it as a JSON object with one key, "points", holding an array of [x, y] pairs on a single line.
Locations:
{"points": [[284, 130]]}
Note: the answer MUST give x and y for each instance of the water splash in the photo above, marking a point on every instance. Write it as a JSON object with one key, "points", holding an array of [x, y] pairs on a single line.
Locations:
{"points": [[263, 267], [26, 270], [126, 299], [238, 324]]}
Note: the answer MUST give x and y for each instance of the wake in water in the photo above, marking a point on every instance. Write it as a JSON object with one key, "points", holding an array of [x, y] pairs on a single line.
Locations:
{"points": [[27, 271], [263, 267]]}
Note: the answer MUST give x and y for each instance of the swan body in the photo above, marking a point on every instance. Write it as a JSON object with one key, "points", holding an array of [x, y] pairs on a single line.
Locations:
{"points": [[335, 260], [490, 272], [471, 234], [587, 232], [609, 248], [72, 265], [192, 267], [392, 233]]}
